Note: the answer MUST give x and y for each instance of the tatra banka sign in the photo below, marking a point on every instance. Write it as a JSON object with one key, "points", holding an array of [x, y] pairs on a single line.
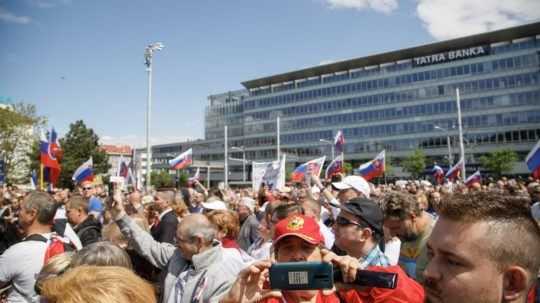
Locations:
{"points": [[452, 55]]}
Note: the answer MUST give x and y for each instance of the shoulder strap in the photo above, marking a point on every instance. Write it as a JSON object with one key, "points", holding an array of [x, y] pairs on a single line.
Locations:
{"points": [[36, 237]]}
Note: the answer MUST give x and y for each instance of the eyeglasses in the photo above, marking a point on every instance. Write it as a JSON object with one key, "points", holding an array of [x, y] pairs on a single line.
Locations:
{"points": [[88, 188], [342, 221]]}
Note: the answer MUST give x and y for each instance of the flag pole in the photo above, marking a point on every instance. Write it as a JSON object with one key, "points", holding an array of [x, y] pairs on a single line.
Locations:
{"points": [[40, 176]]}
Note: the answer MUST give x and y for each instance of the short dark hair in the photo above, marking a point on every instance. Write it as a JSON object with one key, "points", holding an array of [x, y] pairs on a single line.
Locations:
{"points": [[44, 204], [507, 217]]}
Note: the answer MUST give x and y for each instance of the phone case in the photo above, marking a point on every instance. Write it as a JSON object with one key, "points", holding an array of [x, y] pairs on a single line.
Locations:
{"points": [[301, 275]]}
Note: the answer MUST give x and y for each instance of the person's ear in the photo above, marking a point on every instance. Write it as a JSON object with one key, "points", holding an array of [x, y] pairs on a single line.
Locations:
{"points": [[33, 213], [515, 283], [366, 234]]}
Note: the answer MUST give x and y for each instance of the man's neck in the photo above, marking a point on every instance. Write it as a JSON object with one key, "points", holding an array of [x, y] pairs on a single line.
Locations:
{"points": [[361, 251], [83, 218], [164, 210], [37, 228], [423, 221]]}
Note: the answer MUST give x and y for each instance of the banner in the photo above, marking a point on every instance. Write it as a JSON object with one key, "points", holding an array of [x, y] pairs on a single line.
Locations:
{"points": [[270, 173]]}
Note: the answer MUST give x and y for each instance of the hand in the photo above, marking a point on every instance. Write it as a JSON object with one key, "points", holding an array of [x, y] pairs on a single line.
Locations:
{"points": [[317, 181], [347, 264], [248, 287], [117, 206]]}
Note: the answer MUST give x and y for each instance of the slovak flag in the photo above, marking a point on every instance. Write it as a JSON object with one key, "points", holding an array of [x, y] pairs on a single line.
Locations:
{"points": [[85, 172], [334, 167], [533, 161], [195, 177], [373, 168], [182, 161], [455, 171], [49, 153], [339, 141], [474, 178], [312, 167], [438, 173]]}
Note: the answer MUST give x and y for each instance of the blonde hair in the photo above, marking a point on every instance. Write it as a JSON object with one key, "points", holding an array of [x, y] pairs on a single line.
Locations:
{"points": [[226, 222], [56, 266], [98, 284], [102, 254]]}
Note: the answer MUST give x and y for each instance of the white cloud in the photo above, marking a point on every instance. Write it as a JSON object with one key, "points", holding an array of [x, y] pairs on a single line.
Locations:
{"points": [[9, 17], [48, 3], [140, 141], [382, 6], [446, 19]]}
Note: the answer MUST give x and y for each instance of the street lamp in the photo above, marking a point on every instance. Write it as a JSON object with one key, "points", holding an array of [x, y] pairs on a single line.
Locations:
{"points": [[148, 54], [450, 159], [243, 150], [331, 144]]}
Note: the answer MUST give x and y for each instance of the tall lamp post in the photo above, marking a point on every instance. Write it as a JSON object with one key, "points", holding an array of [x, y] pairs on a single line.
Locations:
{"points": [[450, 159], [243, 150], [148, 54], [331, 144]]}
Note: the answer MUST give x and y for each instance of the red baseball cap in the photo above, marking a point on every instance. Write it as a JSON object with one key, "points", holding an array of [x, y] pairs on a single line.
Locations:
{"points": [[300, 226]]}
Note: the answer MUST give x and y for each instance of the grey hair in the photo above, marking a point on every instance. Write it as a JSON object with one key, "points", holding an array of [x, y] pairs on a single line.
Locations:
{"points": [[44, 204], [206, 230], [102, 254]]}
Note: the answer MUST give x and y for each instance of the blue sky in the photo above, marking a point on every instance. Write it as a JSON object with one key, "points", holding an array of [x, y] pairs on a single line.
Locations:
{"points": [[84, 60]]}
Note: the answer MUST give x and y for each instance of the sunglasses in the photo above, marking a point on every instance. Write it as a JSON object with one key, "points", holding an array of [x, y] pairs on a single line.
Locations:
{"points": [[342, 221], [88, 188]]}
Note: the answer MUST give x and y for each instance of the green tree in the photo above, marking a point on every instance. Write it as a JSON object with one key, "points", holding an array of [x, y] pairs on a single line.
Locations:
{"points": [[347, 168], [161, 178], [17, 125], [499, 161], [183, 179], [79, 144], [415, 163]]}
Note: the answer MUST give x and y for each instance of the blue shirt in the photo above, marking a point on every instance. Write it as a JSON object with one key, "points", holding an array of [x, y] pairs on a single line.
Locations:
{"points": [[375, 258], [95, 205]]}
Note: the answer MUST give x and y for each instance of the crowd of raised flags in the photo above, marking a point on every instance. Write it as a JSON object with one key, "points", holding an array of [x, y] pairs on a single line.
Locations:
{"points": [[51, 152]]}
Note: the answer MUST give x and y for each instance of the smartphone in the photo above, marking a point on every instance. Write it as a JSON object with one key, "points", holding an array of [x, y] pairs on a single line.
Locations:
{"points": [[301, 275], [369, 278]]}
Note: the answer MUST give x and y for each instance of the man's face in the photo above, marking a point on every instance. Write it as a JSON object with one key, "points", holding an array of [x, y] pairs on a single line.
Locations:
{"points": [[243, 211], [347, 194], [26, 216], [74, 215], [347, 233], [187, 247], [459, 268], [405, 229], [294, 249], [198, 198], [160, 203], [88, 189]]}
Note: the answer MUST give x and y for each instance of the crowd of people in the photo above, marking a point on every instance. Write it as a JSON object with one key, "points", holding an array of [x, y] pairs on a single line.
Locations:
{"points": [[446, 243]]}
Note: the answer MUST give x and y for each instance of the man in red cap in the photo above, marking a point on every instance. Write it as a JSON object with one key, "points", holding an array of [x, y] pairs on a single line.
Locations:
{"points": [[297, 238]]}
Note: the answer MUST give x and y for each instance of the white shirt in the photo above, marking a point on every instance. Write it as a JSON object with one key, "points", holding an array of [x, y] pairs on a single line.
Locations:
{"points": [[328, 235]]}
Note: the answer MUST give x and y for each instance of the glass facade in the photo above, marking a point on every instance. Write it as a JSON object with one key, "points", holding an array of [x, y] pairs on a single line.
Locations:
{"points": [[393, 105]]}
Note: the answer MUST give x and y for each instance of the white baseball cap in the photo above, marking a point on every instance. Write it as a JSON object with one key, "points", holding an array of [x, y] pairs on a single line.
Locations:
{"points": [[214, 205], [355, 182]]}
